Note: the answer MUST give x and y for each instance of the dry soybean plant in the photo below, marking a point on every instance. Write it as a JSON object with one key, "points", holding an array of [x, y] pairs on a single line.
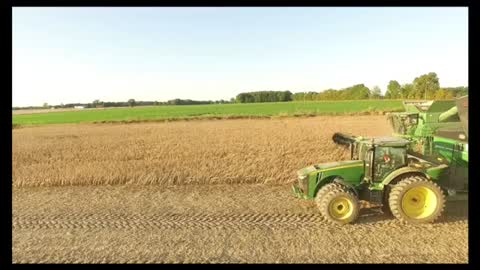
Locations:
{"points": [[176, 153]]}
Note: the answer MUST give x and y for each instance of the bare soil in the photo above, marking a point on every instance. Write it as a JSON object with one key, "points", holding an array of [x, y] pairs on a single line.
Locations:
{"points": [[246, 223], [202, 192]]}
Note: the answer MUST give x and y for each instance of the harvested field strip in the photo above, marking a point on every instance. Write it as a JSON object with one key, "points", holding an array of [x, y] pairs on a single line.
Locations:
{"points": [[209, 111], [216, 223], [166, 220], [205, 152], [197, 152], [198, 221], [229, 117]]}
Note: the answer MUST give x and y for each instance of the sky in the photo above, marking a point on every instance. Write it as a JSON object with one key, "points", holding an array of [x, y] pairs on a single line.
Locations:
{"points": [[69, 55]]}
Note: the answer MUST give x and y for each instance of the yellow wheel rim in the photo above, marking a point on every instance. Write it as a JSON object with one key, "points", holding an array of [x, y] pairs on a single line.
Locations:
{"points": [[419, 202], [340, 208]]}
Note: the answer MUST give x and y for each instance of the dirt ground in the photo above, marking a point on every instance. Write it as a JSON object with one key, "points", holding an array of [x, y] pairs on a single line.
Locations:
{"points": [[202, 192], [246, 223]]}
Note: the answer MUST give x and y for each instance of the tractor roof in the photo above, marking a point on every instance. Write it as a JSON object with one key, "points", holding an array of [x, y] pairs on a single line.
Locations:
{"points": [[388, 141]]}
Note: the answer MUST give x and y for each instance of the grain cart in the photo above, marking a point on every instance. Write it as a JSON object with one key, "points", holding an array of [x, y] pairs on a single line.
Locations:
{"points": [[438, 130], [451, 146], [422, 119], [387, 170]]}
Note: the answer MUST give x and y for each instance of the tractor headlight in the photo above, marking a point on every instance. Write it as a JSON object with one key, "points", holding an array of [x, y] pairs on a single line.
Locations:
{"points": [[303, 182]]}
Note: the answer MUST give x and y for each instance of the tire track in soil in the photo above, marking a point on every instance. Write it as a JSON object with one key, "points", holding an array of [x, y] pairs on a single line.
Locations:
{"points": [[196, 221]]}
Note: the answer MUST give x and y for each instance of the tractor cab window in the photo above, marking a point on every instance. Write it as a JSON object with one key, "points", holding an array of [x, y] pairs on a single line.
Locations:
{"points": [[388, 159], [363, 152]]}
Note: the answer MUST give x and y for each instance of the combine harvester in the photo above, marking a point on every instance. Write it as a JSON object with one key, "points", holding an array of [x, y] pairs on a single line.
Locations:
{"points": [[409, 173]]}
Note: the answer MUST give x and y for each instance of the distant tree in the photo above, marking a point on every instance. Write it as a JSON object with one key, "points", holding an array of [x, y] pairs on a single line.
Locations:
{"points": [[393, 90], [463, 91], [407, 91], [97, 103], [310, 95], [376, 93], [329, 94], [264, 96], [45, 105], [298, 96], [457, 91], [245, 98], [358, 91], [426, 86], [131, 102], [449, 95], [441, 94], [178, 101], [287, 96]]}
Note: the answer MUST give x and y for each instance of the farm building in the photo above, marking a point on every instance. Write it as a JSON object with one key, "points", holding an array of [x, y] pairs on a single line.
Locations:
{"points": [[79, 107]]}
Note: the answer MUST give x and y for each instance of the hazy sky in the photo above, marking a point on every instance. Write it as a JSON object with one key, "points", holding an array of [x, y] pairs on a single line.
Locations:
{"points": [[66, 55]]}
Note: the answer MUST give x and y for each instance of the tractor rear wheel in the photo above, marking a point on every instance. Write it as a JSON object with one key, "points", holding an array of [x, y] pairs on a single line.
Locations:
{"points": [[339, 206], [415, 199]]}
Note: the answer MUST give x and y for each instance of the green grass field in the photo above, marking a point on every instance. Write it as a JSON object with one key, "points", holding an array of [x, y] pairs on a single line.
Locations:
{"points": [[207, 111]]}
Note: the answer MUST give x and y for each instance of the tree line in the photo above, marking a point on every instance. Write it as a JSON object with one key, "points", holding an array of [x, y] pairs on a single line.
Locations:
{"points": [[130, 103], [426, 86], [264, 96], [358, 91]]}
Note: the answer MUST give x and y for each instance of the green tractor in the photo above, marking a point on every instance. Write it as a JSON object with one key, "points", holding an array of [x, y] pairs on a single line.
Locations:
{"points": [[385, 170]]}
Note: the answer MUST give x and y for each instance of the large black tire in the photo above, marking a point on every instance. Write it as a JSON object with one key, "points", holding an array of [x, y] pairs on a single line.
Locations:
{"points": [[415, 199], [339, 206], [324, 190], [385, 205]]}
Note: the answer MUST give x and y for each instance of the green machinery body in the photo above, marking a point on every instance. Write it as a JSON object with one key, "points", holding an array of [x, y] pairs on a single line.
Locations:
{"points": [[430, 139], [423, 121], [438, 130], [367, 173]]}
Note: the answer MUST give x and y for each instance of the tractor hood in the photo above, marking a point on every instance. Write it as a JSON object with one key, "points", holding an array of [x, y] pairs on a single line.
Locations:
{"points": [[306, 171], [329, 165], [338, 164]]}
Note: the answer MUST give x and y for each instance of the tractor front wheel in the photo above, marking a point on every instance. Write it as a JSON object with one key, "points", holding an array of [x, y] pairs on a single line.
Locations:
{"points": [[415, 199], [339, 206]]}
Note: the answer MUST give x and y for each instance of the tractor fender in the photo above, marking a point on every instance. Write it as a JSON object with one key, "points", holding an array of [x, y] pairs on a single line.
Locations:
{"points": [[327, 180], [341, 181], [400, 172]]}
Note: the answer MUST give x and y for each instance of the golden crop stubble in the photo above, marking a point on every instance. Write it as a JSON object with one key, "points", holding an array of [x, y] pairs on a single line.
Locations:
{"points": [[193, 152]]}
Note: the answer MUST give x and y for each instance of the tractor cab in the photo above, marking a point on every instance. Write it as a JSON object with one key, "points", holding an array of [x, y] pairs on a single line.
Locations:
{"points": [[381, 155], [386, 155], [372, 159]]}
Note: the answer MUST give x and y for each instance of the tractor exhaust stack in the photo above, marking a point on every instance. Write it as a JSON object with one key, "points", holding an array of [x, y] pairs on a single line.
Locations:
{"points": [[343, 139]]}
